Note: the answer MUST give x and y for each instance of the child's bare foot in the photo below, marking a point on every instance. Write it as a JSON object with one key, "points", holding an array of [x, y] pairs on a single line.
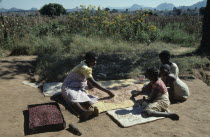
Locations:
{"points": [[173, 116]]}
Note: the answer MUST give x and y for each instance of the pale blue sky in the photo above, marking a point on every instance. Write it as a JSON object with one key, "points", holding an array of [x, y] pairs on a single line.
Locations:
{"points": [[68, 4]]}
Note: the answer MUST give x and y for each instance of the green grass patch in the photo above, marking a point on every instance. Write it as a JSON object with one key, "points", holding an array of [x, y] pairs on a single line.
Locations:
{"points": [[116, 59]]}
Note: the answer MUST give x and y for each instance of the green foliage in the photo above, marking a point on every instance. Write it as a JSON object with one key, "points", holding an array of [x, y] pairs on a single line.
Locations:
{"points": [[140, 26], [47, 45], [126, 26], [173, 33], [20, 50], [52, 9], [54, 67], [127, 43], [52, 28], [4, 53], [186, 64], [113, 57]]}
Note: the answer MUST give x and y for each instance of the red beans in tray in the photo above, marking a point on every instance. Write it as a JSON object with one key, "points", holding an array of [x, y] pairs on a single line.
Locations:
{"points": [[45, 116]]}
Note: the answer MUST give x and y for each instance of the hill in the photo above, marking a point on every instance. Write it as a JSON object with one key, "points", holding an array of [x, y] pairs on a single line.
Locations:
{"points": [[165, 6], [199, 4]]}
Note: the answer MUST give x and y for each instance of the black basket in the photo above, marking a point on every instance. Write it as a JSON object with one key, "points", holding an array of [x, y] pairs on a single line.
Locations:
{"points": [[46, 128]]}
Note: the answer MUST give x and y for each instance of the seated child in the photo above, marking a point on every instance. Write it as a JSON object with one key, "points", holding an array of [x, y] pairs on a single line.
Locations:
{"points": [[165, 59], [73, 88], [158, 100], [179, 91]]}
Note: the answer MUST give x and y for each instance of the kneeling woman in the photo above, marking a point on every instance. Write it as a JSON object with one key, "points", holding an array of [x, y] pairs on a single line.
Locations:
{"points": [[73, 88]]}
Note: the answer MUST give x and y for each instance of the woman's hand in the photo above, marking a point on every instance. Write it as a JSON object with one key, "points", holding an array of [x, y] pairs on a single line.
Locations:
{"points": [[134, 95], [96, 85]]}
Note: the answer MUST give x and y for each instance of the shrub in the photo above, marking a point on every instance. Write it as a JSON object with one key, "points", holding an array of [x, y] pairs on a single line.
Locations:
{"points": [[186, 64], [174, 34], [52, 9]]}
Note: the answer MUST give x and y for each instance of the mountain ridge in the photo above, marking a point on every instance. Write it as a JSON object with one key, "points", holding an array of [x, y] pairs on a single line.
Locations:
{"points": [[162, 6]]}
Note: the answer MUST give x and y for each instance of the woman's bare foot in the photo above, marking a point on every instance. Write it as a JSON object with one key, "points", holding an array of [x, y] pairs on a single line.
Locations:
{"points": [[85, 115], [96, 111]]}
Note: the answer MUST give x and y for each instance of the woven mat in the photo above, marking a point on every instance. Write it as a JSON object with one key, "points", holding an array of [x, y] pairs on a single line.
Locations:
{"points": [[131, 116]]}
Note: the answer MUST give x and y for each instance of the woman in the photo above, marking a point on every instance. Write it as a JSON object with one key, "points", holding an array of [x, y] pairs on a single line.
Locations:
{"points": [[73, 88]]}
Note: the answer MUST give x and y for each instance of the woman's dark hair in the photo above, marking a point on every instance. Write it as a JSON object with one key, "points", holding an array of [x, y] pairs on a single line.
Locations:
{"points": [[153, 71], [90, 55], [165, 53], [165, 66]]}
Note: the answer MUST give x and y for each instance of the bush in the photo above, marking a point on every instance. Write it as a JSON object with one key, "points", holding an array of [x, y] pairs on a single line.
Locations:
{"points": [[52, 9], [4, 53], [20, 50], [174, 34], [186, 64]]}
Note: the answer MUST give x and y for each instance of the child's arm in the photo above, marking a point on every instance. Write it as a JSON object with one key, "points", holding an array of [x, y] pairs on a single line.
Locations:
{"points": [[153, 96], [145, 89], [136, 94], [172, 78], [95, 84]]}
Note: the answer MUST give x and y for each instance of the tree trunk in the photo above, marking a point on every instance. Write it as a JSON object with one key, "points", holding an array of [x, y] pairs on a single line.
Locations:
{"points": [[205, 42]]}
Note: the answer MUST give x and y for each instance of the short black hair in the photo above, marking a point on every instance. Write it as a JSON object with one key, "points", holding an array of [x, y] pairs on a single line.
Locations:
{"points": [[165, 66], [90, 55], [153, 71], [165, 53]]}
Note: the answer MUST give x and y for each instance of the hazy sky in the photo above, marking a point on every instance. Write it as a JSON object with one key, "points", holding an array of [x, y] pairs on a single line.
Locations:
{"points": [[68, 4]]}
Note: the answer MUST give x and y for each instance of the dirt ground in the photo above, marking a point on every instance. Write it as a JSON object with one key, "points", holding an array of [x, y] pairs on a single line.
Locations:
{"points": [[15, 97]]}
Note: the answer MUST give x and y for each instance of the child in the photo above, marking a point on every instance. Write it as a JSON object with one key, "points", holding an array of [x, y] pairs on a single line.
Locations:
{"points": [[179, 91], [73, 88], [165, 59], [158, 100]]}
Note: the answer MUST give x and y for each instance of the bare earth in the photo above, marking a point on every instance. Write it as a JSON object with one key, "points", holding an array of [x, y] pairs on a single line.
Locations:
{"points": [[194, 114]]}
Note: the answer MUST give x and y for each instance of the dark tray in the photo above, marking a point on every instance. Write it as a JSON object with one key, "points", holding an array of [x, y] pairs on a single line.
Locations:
{"points": [[46, 128]]}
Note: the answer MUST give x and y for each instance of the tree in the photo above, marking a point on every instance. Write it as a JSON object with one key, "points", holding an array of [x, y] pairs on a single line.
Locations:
{"points": [[202, 11], [126, 11], [114, 11], [177, 11], [52, 9], [205, 42], [107, 9]]}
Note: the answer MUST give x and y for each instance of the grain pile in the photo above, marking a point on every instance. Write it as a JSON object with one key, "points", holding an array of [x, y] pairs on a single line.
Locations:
{"points": [[121, 93]]}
